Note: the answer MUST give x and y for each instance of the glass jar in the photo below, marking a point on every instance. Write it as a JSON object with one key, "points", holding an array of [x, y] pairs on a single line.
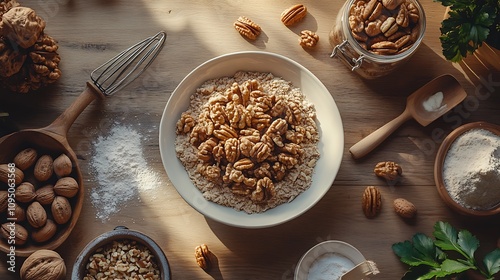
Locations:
{"points": [[355, 53]]}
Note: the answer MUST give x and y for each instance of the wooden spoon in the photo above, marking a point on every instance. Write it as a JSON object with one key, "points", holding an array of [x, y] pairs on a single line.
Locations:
{"points": [[453, 94], [51, 140]]}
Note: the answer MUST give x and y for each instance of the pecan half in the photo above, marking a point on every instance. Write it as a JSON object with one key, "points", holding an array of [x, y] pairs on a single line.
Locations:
{"points": [[293, 14], [371, 202], [247, 28]]}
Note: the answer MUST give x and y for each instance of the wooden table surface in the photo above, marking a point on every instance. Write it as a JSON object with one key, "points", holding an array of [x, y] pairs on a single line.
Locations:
{"points": [[90, 32]]}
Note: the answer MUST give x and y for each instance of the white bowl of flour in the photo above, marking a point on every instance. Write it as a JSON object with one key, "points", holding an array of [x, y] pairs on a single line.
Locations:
{"points": [[328, 260], [467, 169]]}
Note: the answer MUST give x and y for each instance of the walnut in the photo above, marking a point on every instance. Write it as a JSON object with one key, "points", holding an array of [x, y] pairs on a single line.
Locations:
{"points": [[41, 68], [206, 148], [22, 26], [225, 132], [185, 123], [232, 149], [243, 164], [288, 160], [6, 5], [247, 28], [203, 256], [308, 39], [388, 170], [11, 59], [264, 190], [260, 151]]}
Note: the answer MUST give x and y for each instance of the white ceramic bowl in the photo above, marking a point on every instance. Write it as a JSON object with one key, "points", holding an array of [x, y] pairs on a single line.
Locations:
{"points": [[331, 246], [331, 144]]}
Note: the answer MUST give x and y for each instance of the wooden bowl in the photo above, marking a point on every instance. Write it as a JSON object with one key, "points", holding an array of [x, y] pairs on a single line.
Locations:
{"points": [[439, 163], [121, 233]]}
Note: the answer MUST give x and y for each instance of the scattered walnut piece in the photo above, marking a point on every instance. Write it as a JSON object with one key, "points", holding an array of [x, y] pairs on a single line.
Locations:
{"points": [[388, 170], [203, 256], [308, 39], [371, 202], [247, 28]]}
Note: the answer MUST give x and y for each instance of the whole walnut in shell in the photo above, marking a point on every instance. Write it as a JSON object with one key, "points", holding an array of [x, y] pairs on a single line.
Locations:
{"points": [[43, 265]]}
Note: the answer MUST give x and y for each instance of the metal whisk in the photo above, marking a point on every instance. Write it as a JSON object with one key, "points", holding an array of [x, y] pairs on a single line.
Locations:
{"points": [[125, 67]]}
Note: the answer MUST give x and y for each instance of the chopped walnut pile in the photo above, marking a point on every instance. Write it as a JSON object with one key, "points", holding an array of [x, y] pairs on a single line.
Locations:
{"points": [[122, 259], [247, 138], [28, 56]]}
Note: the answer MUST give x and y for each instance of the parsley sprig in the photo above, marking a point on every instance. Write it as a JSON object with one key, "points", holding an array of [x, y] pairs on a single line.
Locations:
{"points": [[428, 258], [470, 23]]}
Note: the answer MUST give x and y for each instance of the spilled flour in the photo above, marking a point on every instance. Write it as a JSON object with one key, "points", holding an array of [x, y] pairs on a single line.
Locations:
{"points": [[120, 170]]}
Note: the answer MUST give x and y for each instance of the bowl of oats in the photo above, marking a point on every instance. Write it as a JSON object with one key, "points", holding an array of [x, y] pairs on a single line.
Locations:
{"points": [[121, 254], [251, 139]]}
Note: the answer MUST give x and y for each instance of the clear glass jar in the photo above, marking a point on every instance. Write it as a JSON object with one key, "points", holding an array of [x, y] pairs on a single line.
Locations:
{"points": [[367, 64]]}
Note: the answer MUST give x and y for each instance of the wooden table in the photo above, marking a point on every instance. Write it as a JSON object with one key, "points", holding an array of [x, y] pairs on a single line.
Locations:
{"points": [[90, 32]]}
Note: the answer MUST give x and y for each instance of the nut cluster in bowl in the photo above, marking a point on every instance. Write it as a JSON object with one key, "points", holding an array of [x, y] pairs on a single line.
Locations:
{"points": [[121, 254], [40, 199], [467, 169]]}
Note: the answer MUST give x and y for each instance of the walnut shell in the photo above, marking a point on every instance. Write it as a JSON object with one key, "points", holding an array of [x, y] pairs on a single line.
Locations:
{"points": [[25, 192], [44, 168], [44, 233], [43, 265], [22, 25], [25, 158], [6, 169], [66, 186], [61, 210], [63, 166], [20, 233], [19, 213], [45, 195], [36, 215]]}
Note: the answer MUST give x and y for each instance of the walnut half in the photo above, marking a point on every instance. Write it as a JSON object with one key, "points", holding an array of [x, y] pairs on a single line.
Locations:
{"points": [[22, 25], [388, 170]]}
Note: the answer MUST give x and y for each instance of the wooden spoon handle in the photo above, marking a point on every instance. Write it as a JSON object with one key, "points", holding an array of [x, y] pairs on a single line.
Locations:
{"points": [[62, 124], [371, 141]]}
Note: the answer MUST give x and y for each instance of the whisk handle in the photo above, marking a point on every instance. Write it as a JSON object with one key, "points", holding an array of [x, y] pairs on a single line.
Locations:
{"points": [[62, 124]]}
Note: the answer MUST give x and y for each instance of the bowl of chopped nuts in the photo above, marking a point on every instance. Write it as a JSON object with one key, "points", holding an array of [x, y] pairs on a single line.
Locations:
{"points": [[122, 254], [467, 169], [251, 139]]}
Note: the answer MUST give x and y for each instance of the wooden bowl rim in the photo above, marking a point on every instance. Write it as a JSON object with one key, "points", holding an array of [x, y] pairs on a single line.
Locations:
{"points": [[438, 168]]}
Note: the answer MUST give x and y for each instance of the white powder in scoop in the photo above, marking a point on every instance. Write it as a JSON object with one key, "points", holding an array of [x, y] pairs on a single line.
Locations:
{"points": [[120, 169], [329, 266], [471, 170], [434, 102]]}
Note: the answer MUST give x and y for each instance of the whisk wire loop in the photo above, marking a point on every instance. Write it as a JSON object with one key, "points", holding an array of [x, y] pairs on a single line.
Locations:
{"points": [[125, 67]]}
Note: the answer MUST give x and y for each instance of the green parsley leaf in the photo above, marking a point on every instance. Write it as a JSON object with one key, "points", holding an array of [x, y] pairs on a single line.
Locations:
{"points": [[492, 262]]}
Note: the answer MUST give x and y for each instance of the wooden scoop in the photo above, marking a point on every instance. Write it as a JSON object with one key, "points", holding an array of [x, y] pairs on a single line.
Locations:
{"points": [[51, 140], [453, 94]]}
